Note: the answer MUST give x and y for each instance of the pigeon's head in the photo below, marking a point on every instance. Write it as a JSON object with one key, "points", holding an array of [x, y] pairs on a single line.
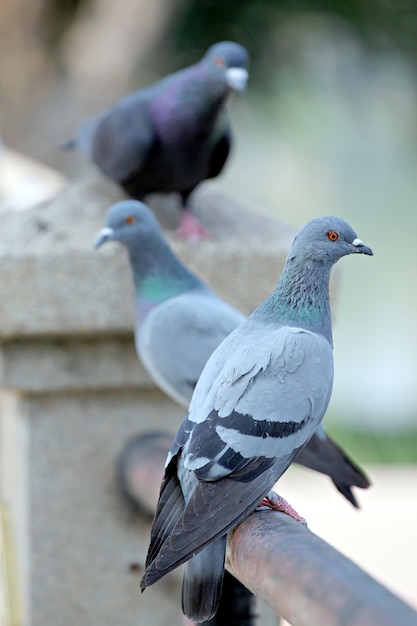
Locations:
{"points": [[325, 240], [231, 60], [126, 222]]}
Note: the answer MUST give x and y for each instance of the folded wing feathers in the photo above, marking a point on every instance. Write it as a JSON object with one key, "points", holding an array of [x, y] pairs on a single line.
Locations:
{"points": [[195, 529], [236, 381], [170, 507]]}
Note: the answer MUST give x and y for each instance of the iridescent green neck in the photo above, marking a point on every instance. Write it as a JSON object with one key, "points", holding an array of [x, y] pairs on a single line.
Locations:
{"points": [[302, 297], [158, 275], [156, 288]]}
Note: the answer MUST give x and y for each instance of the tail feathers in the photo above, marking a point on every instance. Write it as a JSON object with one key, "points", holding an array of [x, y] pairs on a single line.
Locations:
{"points": [[237, 605], [346, 491], [198, 526], [323, 455], [69, 144], [203, 580]]}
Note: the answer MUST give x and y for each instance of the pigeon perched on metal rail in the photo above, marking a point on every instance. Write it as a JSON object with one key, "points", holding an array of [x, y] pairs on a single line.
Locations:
{"points": [[180, 321], [258, 401], [172, 135]]}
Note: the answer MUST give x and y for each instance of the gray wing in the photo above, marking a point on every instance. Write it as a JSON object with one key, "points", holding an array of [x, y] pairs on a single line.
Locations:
{"points": [[119, 140], [207, 516], [264, 403], [177, 338]]}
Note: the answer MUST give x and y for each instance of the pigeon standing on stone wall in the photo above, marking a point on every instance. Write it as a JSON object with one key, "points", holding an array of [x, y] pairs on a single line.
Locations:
{"points": [[258, 401], [180, 321], [172, 135]]}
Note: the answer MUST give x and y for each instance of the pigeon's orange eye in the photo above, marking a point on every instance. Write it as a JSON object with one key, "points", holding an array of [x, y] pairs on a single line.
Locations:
{"points": [[130, 219], [333, 235], [219, 61]]}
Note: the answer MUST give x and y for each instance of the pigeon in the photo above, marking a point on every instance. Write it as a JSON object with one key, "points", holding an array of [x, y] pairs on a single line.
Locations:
{"points": [[172, 135], [180, 321], [260, 398]]}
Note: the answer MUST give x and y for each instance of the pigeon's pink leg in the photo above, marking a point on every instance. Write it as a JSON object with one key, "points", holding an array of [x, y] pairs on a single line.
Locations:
{"points": [[190, 228], [275, 502]]}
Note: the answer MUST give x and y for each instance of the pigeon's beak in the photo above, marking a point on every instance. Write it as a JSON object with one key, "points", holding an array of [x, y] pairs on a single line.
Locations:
{"points": [[361, 248], [236, 78], [104, 235]]}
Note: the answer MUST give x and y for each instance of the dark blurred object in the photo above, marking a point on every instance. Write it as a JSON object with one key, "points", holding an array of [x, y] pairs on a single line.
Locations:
{"points": [[237, 605], [139, 469]]}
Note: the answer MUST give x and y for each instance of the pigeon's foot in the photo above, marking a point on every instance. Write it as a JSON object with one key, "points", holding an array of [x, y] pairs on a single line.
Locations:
{"points": [[191, 229], [274, 502]]}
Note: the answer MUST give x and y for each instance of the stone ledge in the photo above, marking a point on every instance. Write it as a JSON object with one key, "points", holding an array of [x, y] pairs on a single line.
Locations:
{"points": [[82, 365], [52, 282]]}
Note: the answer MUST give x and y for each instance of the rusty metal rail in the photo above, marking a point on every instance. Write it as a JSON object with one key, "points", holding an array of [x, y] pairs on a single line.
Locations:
{"points": [[300, 576]]}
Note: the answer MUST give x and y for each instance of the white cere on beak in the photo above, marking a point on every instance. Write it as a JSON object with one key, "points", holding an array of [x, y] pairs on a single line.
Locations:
{"points": [[236, 78], [357, 242], [104, 234]]}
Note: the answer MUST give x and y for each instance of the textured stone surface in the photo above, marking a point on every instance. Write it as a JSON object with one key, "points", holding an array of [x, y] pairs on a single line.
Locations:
{"points": [[84, 541], [25, 182], [61, 364]]}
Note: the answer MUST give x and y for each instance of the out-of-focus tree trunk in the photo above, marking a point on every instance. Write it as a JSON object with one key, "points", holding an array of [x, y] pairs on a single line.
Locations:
{"points": [[109, 41], [23, 61]]}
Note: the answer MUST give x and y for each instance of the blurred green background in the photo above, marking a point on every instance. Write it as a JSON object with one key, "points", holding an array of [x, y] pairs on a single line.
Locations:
{"points": [[327, 126]]}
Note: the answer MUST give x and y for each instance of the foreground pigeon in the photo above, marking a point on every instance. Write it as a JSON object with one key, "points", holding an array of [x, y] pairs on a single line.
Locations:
{"points": [[258, 401], [172, 135], [180, 321]]}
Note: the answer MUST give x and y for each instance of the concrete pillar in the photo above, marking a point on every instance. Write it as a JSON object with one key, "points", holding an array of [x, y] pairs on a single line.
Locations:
{"points": [[73, 391]]}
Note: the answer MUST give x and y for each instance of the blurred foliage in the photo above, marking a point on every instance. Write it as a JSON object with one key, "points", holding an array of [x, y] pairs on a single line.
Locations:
{"points": [[252, 22], [201, 22], [376, 447]]}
